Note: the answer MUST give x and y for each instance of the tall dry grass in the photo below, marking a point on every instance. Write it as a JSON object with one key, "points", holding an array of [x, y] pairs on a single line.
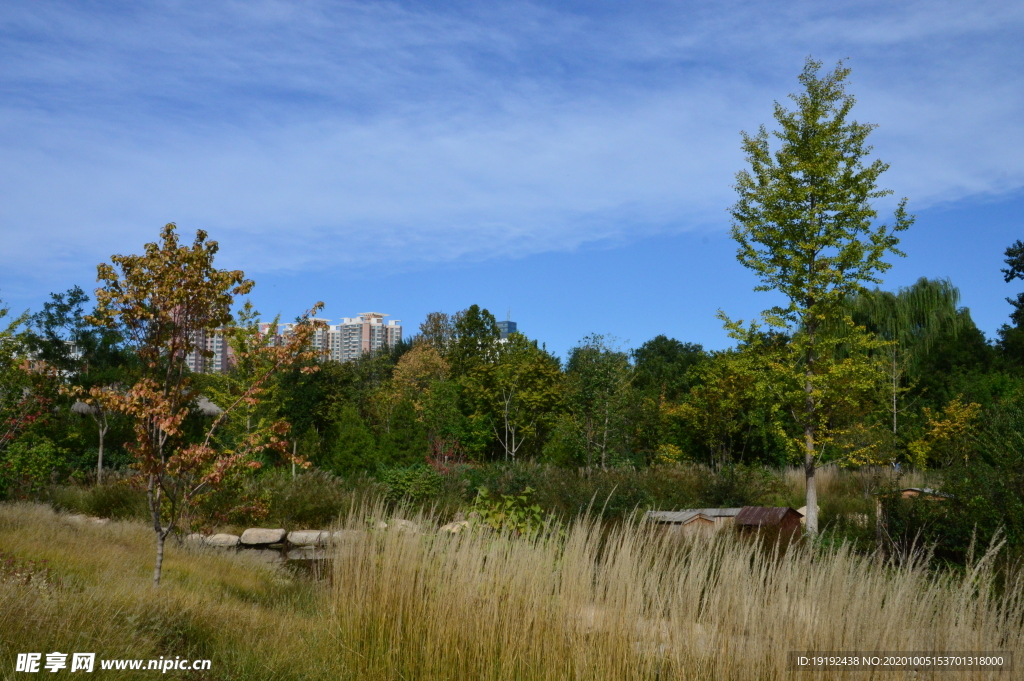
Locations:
{"points": [[584, 602], [832, 481], [633, 604]]}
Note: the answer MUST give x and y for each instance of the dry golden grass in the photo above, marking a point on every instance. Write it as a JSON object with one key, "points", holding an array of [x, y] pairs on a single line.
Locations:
{"points": [[586, 603], [833, 481]]}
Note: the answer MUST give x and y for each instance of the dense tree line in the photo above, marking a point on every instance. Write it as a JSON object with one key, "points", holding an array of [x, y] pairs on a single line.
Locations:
{"points": [[457, 392]]}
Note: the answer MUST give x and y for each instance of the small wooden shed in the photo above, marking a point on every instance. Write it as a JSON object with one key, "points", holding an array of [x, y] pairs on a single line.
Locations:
{"points": [[782, 519], [694, 520]]}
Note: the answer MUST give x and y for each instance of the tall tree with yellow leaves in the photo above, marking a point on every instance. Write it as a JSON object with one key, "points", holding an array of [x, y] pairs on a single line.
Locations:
{"points": [[805, 225]]}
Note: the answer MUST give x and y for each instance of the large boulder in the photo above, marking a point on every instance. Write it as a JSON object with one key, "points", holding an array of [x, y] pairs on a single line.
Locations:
{"points": [[309, 537], [222, 540], [258, 536]]}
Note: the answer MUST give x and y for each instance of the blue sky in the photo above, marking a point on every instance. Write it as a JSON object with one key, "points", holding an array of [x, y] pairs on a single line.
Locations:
{"points": [[570, 162]]}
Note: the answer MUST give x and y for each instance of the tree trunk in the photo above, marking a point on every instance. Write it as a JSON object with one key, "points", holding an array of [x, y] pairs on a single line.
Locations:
{"points": [[812, 489], [99, 459], [879, 526], [153, 497], [99, 463], [160, 537], [809, 458]]}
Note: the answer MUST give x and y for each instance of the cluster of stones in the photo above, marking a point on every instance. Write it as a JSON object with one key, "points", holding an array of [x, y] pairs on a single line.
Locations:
{"points": [[274, 544], [280, 545]]}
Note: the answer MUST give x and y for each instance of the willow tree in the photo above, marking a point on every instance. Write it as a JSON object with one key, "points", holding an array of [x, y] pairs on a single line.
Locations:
{"points": [[805, 225], [912, 319]]}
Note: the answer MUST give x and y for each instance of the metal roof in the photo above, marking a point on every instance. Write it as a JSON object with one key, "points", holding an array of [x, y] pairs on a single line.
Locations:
{"points": [[689, 514], [925, 490], [763, 515]]}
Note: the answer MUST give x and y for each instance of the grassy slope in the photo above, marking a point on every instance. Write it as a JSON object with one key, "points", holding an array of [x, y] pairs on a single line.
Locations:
{"points": [[584, 605]]}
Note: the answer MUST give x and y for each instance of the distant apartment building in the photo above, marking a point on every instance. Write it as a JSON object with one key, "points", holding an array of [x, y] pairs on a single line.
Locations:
{"points": [[353, 337], [356, 336], [507, 328], [211, 341]]}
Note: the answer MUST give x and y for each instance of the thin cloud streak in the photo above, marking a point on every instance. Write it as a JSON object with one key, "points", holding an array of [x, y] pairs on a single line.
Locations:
{"points": [[387, 134]]}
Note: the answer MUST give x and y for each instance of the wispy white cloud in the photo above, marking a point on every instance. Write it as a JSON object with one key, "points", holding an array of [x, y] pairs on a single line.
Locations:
{"points": [[325, 134]]}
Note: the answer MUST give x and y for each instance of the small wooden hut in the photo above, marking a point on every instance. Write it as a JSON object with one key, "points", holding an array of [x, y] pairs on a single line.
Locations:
{"points": [[781, 519], [694, 520]]}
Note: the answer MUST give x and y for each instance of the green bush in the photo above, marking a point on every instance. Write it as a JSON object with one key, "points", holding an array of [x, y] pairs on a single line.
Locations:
{"points": [[418, 484], [122, 498], [27, 466], [510, 512], [315, 499]]}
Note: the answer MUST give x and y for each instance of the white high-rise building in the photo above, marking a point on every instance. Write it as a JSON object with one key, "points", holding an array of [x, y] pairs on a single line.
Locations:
{"points": [[356, 336], [353, 337]]}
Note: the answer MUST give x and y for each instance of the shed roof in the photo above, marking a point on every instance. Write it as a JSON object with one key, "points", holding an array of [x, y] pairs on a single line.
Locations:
{"points": [[925, 491], [686, 515], [764, 515]]}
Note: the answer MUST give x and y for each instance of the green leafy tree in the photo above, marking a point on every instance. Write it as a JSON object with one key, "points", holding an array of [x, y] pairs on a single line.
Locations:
{"points": [[1011, 338], [249, 364], [475, 335], [600, 399], [519, 392], [353, 447], [451, 434], [405, 442], [25, 460], [662, 366], [731, 402], [437, 331], [81, 354], [805, 225], [20, 405]]}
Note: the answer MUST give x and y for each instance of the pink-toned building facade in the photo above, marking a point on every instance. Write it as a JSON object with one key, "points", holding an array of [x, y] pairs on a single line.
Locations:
{"points": [[352, 337]]}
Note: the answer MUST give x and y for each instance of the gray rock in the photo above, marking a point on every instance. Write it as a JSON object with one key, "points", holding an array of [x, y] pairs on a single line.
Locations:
{"points": [[404, 525], [222, 540], [264, 555], [257, 536], [309, 537], [307, 553]]}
